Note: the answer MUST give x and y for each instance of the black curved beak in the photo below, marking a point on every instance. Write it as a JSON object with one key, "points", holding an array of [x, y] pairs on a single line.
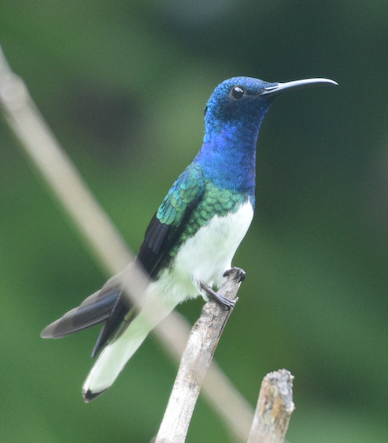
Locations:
{"points": [[278, 88]]}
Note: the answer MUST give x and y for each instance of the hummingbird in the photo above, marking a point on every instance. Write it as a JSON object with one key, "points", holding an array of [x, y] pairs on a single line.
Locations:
{"points": [[191, 240]]}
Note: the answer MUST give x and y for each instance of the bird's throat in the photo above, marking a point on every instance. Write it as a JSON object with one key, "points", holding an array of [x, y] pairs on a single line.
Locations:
{"points": [[230, 164]]}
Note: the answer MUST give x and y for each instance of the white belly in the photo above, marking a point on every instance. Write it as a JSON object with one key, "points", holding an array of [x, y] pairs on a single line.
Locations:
{"points": [[205, 256]]}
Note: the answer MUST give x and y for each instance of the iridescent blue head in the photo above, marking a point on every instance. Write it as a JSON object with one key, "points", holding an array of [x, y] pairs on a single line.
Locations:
{"points": [[233, 117], [237, 102]]}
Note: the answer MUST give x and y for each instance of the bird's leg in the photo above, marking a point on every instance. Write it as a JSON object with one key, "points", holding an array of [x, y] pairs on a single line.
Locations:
{"points": [[240, 273], [218, 297]]}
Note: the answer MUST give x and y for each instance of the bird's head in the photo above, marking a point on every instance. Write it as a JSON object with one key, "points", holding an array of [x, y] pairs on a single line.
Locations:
{"points": [[233, 117], [244, 101]]}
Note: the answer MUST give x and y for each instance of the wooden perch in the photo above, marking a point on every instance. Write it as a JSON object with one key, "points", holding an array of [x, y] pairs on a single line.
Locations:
{"points": [[274, 408], [196, 360]]}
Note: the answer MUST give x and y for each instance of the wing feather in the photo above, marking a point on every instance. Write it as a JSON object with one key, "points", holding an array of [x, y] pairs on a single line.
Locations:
{"points": [[160, 237], [93, 310], [108, 304]]}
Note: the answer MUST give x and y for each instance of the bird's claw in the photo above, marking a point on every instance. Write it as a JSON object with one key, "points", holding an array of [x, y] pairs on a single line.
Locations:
{"points": [[240, 273], [220, 298]]}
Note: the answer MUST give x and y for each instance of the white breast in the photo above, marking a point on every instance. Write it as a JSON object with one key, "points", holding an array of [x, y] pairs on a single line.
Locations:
{"points": [[206, 255]]}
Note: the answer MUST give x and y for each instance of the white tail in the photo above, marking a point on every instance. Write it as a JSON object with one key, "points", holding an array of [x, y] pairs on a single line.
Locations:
{"points": [[114, 357]]}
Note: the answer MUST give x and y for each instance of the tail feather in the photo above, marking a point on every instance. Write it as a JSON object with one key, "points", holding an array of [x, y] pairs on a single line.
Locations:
{"points": [[80, 318], [118, 314], [116, 354], [92, 311], [123, 333]]}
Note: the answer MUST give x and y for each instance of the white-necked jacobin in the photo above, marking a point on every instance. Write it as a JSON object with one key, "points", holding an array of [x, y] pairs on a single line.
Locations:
{"points": [[192, 238]]}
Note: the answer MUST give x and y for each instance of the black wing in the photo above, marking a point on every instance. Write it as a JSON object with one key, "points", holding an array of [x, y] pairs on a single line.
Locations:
{"points": [[109, 303], [92, 311], [161, 235]]}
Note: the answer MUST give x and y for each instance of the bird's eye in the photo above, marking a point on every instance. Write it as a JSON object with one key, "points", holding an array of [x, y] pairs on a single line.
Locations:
{"points": [[205, 111], [237, 92]]}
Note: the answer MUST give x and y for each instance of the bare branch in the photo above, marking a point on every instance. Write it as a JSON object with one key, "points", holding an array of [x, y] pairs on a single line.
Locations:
{"points": [[195, 363], [274, 408], [217, 389], [44, 150]]}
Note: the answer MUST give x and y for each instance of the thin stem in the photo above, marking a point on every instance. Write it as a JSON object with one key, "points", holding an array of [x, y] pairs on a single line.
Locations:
{"points": [[195, 363]]}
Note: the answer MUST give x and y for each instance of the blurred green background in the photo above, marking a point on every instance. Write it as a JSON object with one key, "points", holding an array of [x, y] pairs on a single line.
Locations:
{"points": [[123, 85]]}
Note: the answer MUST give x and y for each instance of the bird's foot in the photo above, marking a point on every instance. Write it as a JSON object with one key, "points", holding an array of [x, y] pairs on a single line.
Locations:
{"points": [[222, 299], [240, 274]]}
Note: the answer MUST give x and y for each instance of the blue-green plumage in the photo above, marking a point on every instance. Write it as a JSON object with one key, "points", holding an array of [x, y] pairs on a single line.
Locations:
{"points": [[194, 234]]}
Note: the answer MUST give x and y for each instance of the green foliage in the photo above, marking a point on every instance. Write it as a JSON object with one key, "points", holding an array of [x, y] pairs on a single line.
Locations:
{"points": [[123, 86]]}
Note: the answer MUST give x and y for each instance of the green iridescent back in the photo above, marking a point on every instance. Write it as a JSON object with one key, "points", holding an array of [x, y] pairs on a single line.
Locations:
{"points": [[215, 202], [191, 187]]}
